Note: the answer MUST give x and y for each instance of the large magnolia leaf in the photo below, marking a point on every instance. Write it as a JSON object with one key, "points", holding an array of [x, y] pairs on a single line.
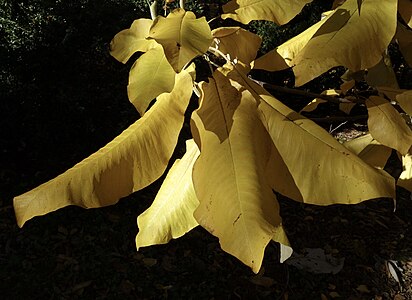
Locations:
{"points": [[239, 43], [281, 58], [131, 40], [369, 150], [387, 126], [150, 76], [323, 170], [344, 38], [279, 11], [132, 161], [236, 202], [182, 36], [405, 179], [171, 214]]}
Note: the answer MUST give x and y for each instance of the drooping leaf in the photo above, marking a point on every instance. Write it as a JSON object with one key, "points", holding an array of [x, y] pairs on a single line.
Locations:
{"points": [[387, 126], [129, 41], [280, 11], [404, 38], [132, 161], [239, 43], [150, 76], [171, 214], [405, 179], [182, 36], [405, 10], [369, 150], [236, 202], [325, 45], [405, 101], [323, 170]]}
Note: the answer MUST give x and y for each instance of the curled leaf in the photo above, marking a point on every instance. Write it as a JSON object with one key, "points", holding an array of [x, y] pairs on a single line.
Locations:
{"points": [[132, 40], [182, 36]]}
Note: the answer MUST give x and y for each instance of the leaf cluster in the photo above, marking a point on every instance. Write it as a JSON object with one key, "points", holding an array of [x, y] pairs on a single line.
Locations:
{"points": [[246, 143]]}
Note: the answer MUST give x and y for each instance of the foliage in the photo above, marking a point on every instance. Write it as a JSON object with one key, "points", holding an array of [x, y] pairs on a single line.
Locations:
{"points": [[246, 142]]}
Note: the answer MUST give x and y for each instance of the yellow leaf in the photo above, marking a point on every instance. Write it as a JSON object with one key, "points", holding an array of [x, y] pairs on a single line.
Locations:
{"points": [[344, 38], [405, 179], [391, 93], [405, 101], [131, 40], [239, 43], [315, 102], [280, 11], [387, 126], [171, 214], [404, 38], [382, 74], [281, 58], [236, 202], [313, 105], [323, 170], [369, 150], [182, 36], [132, 161], [150, 76], [405, 10]]}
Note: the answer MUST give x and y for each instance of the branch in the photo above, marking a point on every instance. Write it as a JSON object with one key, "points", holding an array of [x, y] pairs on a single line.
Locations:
{"points": [[153, 9], [339, 119], [182, 4], [286, 90]]}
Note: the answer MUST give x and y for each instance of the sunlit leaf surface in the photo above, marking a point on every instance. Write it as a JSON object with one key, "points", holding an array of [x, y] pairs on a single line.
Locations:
{"points": [[279, 11], [387, 126], [236, 202], [171, 214], [132, 161], [182, 36]]}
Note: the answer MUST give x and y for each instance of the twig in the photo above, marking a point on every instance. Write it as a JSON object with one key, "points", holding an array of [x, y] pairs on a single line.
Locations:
{"points": [[339, 119]]}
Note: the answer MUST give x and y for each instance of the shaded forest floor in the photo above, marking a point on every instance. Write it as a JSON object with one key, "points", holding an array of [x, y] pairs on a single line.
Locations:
{"points": [[62, 98]]}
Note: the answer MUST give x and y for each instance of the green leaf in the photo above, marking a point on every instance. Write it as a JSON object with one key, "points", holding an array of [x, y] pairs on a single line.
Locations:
{"points": [[150, 76], [132, 161], [131, 40], [171, 214], [236, 202], [182, 36], [387, 126], [280, 11]]}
